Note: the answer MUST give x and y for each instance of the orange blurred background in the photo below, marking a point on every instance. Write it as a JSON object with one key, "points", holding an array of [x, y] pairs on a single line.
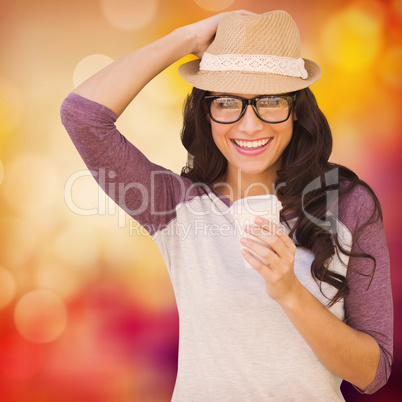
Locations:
{"points": [[87, 312]]}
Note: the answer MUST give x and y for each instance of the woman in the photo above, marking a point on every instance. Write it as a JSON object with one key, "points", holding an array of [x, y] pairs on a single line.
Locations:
{"points": [[320, 309]]}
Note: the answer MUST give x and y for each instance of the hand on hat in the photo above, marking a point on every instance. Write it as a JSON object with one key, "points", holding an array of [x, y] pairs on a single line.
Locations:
{"points": [[203, 31]]}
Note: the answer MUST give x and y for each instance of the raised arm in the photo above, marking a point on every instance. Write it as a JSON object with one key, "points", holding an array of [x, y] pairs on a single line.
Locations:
{"points": [[89, 116], [117, 84]]}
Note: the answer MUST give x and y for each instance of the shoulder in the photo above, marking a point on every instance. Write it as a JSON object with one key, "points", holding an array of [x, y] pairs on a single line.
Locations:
{"points": [[357, 205]]}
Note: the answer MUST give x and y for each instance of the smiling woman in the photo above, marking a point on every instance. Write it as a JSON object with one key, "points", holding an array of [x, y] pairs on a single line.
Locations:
{"points": [[316, 307], [250, 126]]}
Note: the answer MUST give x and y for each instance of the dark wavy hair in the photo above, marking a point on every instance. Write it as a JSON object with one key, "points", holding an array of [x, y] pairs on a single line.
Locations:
{"points": [[304, 161]]}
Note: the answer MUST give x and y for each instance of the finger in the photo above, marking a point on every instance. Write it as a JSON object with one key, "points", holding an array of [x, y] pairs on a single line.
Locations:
{"points": [[269, 226], [268, 255], [264, 270], [271, 240], [276, 245]]}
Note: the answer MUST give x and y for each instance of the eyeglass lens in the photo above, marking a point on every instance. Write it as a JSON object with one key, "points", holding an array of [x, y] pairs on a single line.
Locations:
{"points": [[228, 109]]}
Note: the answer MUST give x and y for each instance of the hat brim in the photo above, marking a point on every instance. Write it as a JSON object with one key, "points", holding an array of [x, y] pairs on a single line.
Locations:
{"points": [[240, 82]]}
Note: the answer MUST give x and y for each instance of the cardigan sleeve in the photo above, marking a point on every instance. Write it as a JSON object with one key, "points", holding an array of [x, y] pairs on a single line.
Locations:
{"points": [[369, 307]]}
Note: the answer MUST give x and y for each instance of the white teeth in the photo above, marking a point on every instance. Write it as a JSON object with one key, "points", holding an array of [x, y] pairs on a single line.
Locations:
{"points": [[252, 144]]}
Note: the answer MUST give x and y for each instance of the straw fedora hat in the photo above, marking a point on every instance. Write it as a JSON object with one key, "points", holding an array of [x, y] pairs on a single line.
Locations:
{"points": [[253, 54]]}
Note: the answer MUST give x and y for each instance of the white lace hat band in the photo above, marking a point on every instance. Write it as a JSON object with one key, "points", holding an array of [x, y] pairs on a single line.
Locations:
{"points": [[259, 63]]}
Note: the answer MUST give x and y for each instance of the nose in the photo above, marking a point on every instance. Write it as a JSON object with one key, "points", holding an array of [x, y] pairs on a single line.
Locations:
{"points": [[250, 123]]}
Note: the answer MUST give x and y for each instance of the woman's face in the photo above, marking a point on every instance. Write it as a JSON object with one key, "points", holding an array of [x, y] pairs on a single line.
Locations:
{"points": [[251, 145]]}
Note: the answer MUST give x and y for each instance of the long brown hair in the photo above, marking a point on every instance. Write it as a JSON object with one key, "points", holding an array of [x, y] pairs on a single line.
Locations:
{"points": [[305, 160]]}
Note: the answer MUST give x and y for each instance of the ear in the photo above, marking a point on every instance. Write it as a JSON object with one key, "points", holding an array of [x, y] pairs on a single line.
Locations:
{"points": [[294, 115]]}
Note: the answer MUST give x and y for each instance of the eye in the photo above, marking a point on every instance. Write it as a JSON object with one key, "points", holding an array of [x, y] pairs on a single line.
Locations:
{"points": [[273, 102], [228, 103]]}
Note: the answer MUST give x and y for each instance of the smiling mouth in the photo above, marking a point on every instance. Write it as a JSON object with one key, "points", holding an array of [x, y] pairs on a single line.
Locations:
{"points": [[252, 144]]}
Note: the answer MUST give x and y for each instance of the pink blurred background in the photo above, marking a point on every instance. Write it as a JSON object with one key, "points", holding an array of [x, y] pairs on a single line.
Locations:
{"points": [[87, 311]]}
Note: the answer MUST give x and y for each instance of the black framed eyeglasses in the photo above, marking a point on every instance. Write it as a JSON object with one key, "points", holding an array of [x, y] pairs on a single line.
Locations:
{"points": [[228, 109]]}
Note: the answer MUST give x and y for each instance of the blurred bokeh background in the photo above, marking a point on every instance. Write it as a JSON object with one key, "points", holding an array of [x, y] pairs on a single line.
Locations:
{"points": [[87, 311]]}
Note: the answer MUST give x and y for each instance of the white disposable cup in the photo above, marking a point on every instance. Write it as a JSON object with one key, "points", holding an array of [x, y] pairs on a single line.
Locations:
{"points": [[247, 209]]}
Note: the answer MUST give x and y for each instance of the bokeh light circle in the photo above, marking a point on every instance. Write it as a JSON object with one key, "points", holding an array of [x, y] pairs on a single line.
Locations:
{"points": [[352, 39], [31, 183], [7, 287], [16, 241], [214, 5], [40, 316], [129, 15], [59, 278], [88, 66]]}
